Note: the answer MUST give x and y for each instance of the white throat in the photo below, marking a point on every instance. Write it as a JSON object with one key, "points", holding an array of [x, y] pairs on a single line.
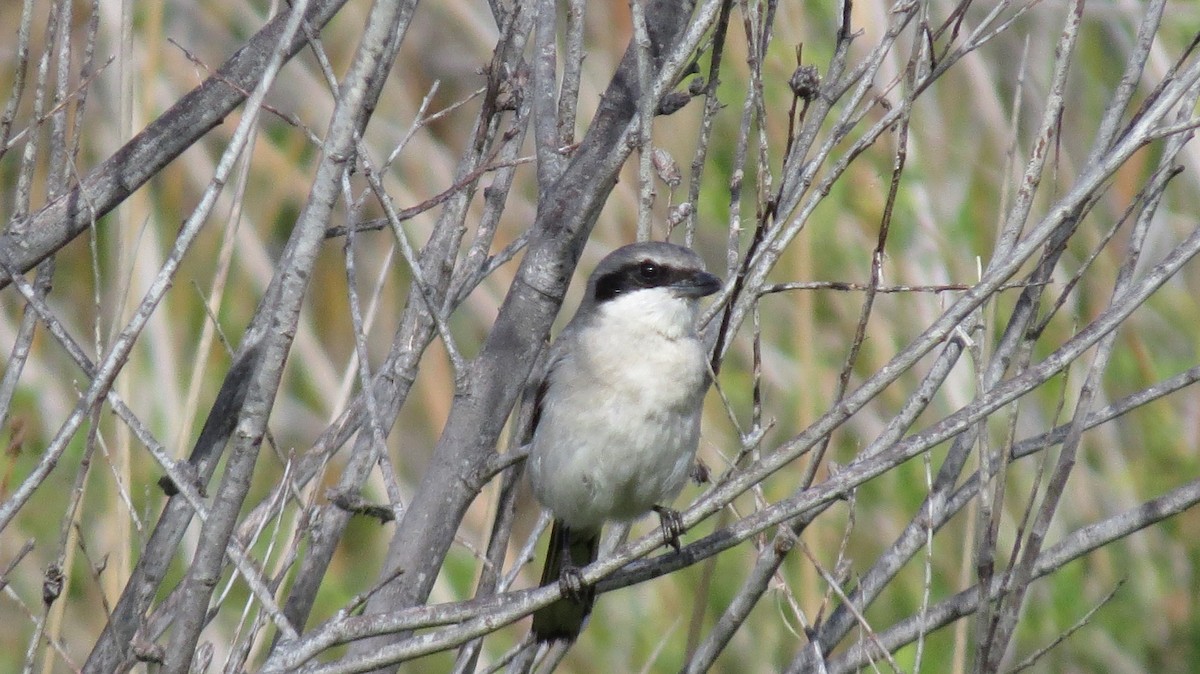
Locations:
{"points": [[649, 310]]}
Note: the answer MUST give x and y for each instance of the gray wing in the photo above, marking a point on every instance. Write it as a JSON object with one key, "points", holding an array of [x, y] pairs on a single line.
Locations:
{"points": [[538, 386]]}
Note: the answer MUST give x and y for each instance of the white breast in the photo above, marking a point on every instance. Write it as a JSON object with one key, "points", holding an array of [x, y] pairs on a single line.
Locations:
{"points": [[621, 417]]}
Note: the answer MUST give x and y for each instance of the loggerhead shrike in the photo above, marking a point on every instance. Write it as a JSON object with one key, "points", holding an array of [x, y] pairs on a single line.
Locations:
{"points": [[617, 414]]}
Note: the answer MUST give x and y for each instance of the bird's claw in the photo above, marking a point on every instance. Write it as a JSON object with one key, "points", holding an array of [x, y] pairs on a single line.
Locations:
{"points": [[571, 584], [671, 523]]}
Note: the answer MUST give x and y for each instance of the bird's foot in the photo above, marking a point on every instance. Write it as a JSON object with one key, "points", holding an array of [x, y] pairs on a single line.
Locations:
{"points": [[570, 583], [671, 523]]}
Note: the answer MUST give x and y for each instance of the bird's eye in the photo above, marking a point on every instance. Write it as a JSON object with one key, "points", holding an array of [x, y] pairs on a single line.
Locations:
{"points": [[649, 271]]}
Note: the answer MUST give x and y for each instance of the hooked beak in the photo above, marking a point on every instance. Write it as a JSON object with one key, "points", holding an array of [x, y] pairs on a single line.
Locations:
{"points": [[699, 284]]}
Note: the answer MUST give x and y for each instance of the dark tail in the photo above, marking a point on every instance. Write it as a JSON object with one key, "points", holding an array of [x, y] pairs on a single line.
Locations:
{"points": [[569, 549]]}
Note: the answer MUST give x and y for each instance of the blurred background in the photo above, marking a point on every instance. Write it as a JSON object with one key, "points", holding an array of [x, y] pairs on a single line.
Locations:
{"points": [[958, 178]]}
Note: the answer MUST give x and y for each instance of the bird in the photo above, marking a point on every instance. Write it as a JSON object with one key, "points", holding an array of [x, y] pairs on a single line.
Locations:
{"points": [[616, 416]]}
